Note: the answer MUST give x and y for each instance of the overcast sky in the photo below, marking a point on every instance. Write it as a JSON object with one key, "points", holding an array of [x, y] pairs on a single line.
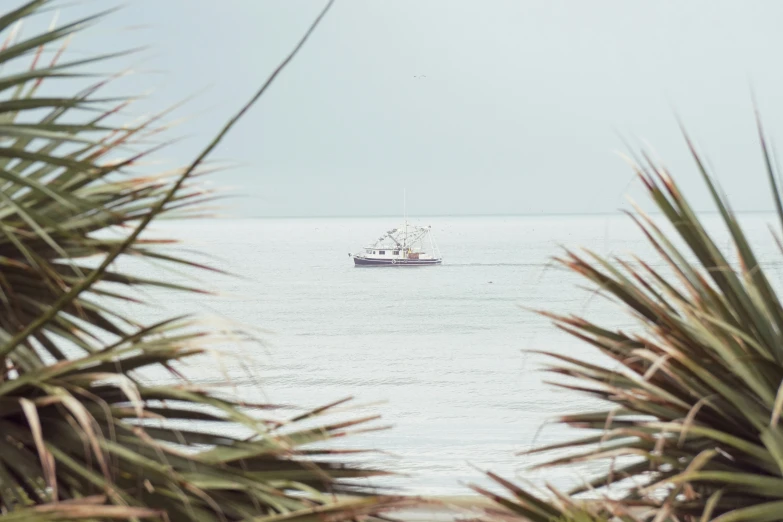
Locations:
{"points": [[476, 107]]}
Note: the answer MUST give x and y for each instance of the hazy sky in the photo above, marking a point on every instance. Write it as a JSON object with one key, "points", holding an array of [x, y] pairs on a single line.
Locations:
{"points": [[476, 107]]}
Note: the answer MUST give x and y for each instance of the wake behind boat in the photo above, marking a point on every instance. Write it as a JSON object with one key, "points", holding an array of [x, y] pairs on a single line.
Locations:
{"points": [[408, 245]]}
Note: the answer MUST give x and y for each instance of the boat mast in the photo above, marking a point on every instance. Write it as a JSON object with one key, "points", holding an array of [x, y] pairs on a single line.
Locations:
{"points": [[405, 219]]}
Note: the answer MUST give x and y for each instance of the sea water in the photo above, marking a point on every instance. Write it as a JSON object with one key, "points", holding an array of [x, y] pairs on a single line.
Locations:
{"points": [[443, 353]]}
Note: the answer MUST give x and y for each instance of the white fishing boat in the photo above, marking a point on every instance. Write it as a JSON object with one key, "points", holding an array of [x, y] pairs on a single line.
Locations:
{"points": [[406, 245]]}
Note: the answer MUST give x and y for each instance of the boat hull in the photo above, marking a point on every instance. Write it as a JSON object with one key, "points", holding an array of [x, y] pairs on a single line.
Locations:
{"points": [[363, 261]]}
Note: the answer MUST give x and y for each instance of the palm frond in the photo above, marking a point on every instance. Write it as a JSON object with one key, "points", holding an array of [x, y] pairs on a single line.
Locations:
{"points": [[521, 504], [83, 509], [94, 425], [62, 187], [79, 415], [696, 387]]}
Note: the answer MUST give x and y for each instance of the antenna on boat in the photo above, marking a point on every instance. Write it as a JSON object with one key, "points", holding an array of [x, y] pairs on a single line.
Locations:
{"points": [[405, 213]]}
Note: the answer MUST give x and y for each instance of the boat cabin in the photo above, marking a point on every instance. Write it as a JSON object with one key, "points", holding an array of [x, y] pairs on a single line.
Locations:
{"points": [[397, 253]]}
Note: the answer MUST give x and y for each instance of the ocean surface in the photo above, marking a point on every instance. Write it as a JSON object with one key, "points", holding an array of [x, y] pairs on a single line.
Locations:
{"points": [[442, 353]]}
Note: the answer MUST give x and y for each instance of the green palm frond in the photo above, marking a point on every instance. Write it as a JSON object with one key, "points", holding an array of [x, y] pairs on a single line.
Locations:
{"points": [[94, 425], [66, 178], [520, 503], [695, 390], [79, 416]]}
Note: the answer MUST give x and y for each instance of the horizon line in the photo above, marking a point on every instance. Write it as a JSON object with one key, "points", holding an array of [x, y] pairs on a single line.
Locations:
{"points": [[537, 214]]}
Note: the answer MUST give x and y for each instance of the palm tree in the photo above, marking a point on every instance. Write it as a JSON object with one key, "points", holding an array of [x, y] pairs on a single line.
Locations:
{"points": [[695, 393], [84, 433]]}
